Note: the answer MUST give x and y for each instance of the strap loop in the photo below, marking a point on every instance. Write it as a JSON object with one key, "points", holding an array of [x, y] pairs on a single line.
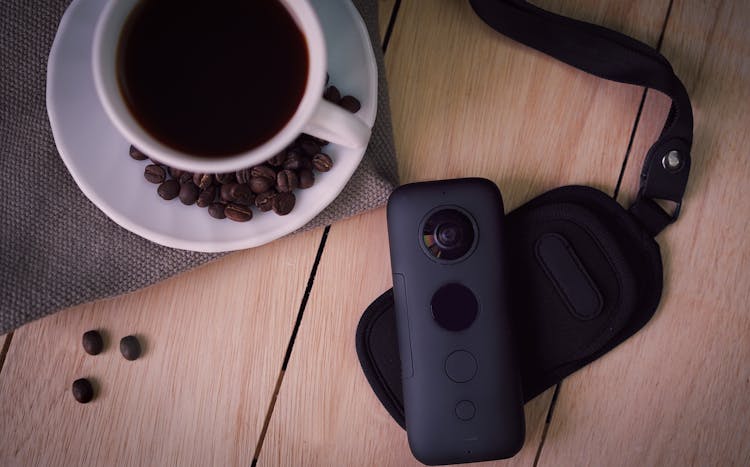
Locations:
{"points": [[616, 57]]}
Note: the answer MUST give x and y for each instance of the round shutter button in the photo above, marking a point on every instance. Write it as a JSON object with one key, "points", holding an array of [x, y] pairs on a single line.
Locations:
{"points": [[465, 410], [461, 366], [454, 307]]}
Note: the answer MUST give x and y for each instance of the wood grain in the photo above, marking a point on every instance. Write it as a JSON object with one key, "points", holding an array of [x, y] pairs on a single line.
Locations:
{"points": [[385, 10], [677, 392], [214, 343], [465, 102]]}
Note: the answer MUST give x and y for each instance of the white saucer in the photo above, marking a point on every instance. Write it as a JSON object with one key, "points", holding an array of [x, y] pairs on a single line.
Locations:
{"points": [[97, 156]]}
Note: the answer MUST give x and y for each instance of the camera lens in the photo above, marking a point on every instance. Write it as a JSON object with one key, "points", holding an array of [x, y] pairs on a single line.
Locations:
{"points": [[448, 234]]}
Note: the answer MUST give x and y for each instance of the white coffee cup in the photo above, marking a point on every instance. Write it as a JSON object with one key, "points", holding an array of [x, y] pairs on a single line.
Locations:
{"points": [[313, 115]]}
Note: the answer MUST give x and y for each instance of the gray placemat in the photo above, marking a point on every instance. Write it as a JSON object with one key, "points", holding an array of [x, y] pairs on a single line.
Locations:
{"points": [[56, 248]]}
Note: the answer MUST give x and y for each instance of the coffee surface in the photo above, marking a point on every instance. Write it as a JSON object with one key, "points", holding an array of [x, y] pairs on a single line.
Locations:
{"points": [[212, 78]]}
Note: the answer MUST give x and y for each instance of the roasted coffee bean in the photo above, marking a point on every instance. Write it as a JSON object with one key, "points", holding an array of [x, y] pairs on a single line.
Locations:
{"points": [[136, 154], [309, 147], [294, 160], [306, 178], [203, 181], [189, 193], [350, 103], [332, 94], [92, 342], [278, 159], [238, 212], [216, 210], [241, 194], [322, 162], [169, 189], [283, 203], [226, 192], [186, 177], [264, 201], [261, 184], [225, 178], [130, 348], [82, 390], [286, 180], [244, 176], [154, 173], [321, 142], [263, 171], [206, 196], [175, 173]]}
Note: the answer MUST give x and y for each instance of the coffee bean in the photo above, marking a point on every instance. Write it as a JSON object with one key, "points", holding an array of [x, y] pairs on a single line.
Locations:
{"points": [[294, 160], [263, 171], [203, 181], [322, 162], [350, 103], [154, 173], [185, 177], [225, 178], [283, 203], [286, 180], [92, 342], [175, 173], [206, 196], [189, 193], [216, 210], [238, 212], [226, 192], [332, 94], [136, 154], [82, 390], [264, 201], [130, 348], [278, 159], [241, 194], [169, 189], [309, 147], [306, 178], [244, 175], [261, 184]]}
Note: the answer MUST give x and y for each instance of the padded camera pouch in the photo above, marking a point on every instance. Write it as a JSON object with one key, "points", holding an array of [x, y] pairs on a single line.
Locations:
{"points": [[585, 276]]}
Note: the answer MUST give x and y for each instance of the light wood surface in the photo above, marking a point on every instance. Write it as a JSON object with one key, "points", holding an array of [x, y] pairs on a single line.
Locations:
{"points": [[465, 102], [677, 393], [461, 106], [214, 342]]}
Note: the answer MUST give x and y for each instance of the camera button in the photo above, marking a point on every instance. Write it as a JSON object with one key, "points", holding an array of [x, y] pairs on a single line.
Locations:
{"points": [[461, 366], [465, 410]]}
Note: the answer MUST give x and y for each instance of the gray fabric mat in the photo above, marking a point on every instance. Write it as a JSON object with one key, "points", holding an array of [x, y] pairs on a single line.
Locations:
{"points": [[56, 248]]}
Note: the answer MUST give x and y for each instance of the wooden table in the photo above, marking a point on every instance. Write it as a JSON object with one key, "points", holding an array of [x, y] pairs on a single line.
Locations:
{"points": [[249, 360]]}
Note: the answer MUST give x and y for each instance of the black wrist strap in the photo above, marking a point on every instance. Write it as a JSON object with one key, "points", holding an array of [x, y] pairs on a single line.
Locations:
{"points": [[616, 57]]}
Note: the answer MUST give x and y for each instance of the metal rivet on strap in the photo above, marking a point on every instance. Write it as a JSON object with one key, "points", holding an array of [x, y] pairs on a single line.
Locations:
{"points": [[672, 161]]}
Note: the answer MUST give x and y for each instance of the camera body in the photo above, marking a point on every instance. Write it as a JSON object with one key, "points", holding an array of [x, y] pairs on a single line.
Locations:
{"points": [[462, 388]]}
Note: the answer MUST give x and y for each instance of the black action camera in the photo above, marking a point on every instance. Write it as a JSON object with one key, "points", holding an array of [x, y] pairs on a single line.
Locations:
{"points": [[462, 389]]}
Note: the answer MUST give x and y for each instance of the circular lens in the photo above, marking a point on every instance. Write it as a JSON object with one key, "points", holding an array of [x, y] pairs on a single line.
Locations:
{"points": [[448, 234]]}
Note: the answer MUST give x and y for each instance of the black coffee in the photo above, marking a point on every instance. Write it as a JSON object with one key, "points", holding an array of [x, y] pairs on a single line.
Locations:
{"points": [[212, 78]]}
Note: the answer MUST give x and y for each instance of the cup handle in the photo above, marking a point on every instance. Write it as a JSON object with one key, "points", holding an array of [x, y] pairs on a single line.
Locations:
{"points": [[332, 123]]}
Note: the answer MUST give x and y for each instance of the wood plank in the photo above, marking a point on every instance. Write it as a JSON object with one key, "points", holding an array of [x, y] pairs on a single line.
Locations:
{"points": [[465, 102], [385, 10], [677, 392], [214, 343]]}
